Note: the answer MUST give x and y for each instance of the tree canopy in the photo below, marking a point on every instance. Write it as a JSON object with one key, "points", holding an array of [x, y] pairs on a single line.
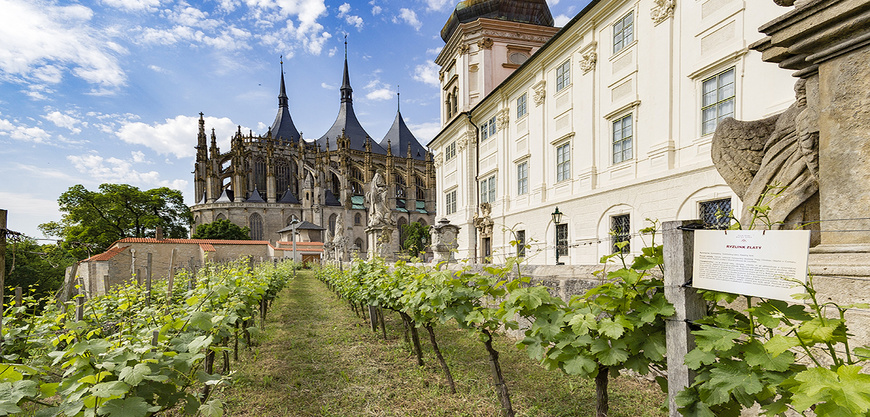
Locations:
{"points": [[39, 267], [222, 229], [416, 238], [96, 219]]}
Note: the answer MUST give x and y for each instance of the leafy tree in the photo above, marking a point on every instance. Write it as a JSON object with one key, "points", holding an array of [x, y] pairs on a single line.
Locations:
{"points": [[39, 267], [96, 219], [416, 238], [222, 229]]}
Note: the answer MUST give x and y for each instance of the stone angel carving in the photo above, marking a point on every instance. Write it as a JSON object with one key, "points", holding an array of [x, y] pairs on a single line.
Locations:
{"points": [[379, 211], [779, 151]]}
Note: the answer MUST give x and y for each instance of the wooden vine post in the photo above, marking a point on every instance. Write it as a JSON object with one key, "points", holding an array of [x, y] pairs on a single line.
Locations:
{"points": [[678, 243], [171, 279], [148, 279]]}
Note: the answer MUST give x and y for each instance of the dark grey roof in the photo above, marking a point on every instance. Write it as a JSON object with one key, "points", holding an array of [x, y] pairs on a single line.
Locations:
{"points": [[302, 226], [288, 198], [347, 122], [535, 12], [330, 200], [399, 137], [255, 197], [283, 127]]}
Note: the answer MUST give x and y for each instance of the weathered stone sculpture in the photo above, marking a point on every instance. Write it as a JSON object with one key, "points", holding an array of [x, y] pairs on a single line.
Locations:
{"points": [[379, 211], [339, 240], [762, 157], [444, 240]]}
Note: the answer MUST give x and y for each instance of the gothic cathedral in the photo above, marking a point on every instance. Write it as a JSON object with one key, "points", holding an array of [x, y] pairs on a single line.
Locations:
{"points": [[266, 181]]}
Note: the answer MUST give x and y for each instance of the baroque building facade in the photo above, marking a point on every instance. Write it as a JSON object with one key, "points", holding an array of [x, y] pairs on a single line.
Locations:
{"points": [[609, 120], [265, 182]]}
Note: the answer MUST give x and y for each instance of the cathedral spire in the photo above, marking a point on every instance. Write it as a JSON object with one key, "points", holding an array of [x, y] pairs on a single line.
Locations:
{"points": [[346, 91], [282, 95]]}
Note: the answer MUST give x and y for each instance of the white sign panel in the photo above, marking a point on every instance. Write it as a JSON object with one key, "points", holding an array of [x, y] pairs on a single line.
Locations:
{"points": [[751, 262]]}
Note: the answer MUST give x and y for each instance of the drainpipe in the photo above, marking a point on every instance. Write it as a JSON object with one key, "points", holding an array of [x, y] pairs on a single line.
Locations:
{"points": [[476, 181]]}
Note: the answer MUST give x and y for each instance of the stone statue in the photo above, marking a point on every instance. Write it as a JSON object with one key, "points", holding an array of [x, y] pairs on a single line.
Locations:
{"points": [[379, 212], [339, 239], [782, 152], [484, 222]]}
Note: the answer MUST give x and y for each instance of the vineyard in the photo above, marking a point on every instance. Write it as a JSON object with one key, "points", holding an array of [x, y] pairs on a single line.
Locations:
{"points": [[138, 352], [135, 352]]}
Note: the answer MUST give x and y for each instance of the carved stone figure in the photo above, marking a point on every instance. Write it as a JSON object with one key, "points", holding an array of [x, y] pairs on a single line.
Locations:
{"points": [[339, 240], [379, 212], [587, 61], [484, 222], [780, 152], [662, 10]]}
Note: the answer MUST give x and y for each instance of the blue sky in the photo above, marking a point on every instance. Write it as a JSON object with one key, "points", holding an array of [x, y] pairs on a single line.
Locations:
{"points": [[110, 90]]}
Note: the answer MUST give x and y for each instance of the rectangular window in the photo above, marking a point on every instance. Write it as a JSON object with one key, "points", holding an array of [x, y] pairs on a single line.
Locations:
{"points": [[563, 162], [562, 239], [522, 108], [523, 178], [487, 129], [623, 32], [563, 75], [717, 102], [716, 213], [521, 243], [450, 151], [451, 202], [487, 189], [620, 231], [622, 134]]}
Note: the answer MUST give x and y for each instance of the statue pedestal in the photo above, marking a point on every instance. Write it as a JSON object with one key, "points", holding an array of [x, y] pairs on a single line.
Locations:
{"points": [[382, 243], [821, 42], [444, 241]]}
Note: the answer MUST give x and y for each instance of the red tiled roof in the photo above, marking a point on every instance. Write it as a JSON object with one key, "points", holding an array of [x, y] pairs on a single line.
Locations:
{"points": [[301, 249], [282, 243], [109, 254], [192, 241], [207, 247]]}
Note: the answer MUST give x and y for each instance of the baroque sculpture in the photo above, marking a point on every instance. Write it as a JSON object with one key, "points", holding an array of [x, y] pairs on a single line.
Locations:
{"points": [[780, 153], [379, 212]]}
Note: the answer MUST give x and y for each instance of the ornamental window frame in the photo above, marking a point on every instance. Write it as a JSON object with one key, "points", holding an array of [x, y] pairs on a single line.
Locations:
{"points": [[563, 75], [623, 32], [450, 151], [622, 134], [488, 192], [563, 161], [523, 177], [488, 129], [715, 103], [450, 202], [522, 105]]}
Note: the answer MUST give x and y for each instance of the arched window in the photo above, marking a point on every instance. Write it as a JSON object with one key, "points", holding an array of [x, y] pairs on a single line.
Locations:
{"points": [[256, 225], [282, 176], [400, 186], [336, 185], [360, 245], [356, 188], [260, 174], [421, 188], [357, 219], [403, 222], [449, 105], [455, 101], [332, 223], [220, 217]]}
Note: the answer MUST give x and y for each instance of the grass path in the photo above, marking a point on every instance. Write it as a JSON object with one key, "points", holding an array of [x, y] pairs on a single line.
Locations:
{"points": [[319, 359]]}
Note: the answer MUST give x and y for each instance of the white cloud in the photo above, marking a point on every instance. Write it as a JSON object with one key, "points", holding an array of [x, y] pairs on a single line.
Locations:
{"points": [[344, 13], [23, 133], [133, 5], [439, 4], [408, 16], [328, 86], [115, 170], [27, 212], [159, 69], [40, 37], [65, 121], [427, 73], [176, 136], [425, 132], [434, 51], [376, 10], [561, 20]]}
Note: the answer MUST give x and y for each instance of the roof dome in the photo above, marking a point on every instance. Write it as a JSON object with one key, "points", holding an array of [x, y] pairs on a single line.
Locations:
{"points": [[535, 12]]}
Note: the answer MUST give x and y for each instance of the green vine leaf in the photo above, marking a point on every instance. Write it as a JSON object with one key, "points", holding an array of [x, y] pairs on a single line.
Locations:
{"points": [[727, 378], [841, 393], [127, 407], [712, 338]]}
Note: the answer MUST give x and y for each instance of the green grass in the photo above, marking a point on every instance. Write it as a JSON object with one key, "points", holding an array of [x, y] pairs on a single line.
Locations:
{"points": [[319, 359]]}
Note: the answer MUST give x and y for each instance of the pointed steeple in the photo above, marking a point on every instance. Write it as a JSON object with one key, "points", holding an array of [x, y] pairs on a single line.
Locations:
{"points": [[346, 91], [283, 128], [282, 95]]}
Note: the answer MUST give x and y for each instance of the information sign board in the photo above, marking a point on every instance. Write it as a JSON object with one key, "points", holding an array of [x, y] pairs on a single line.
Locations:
{"points": [[751, 262]]}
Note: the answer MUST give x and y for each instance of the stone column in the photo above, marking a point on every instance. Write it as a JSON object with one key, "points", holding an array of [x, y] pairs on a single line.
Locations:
{"points": [[827, 42]]}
